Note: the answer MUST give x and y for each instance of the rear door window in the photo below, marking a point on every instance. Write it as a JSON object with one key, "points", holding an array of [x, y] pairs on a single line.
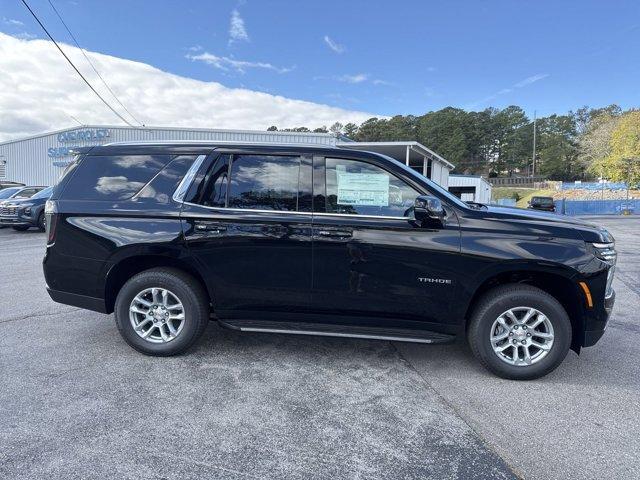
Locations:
{"points": [[264, 182], [212, 191], [117, 177]]}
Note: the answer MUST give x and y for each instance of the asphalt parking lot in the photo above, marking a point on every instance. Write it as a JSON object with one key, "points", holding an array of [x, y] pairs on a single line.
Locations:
{"points": [[77, 402]]}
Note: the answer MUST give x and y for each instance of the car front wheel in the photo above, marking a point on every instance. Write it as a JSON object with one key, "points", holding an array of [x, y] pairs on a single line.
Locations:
{"points": [[162, 311], [42, 222], [519, 332]]}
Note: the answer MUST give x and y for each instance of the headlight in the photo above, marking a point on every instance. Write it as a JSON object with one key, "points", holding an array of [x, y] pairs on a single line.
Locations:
{"points": [[609, 286], [604, 251], [27, 211]]}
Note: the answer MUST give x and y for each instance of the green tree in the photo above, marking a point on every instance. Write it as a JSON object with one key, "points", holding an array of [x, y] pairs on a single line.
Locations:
{"points": [[351, 130], [557, 154], [623, 162]]}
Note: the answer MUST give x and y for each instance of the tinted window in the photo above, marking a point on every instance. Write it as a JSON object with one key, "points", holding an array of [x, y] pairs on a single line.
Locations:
{"points": [[113, 177], [264, 182], [216, 182], [163, 185], [46, 193], [26, 193], [7, 192], [359, 188]]}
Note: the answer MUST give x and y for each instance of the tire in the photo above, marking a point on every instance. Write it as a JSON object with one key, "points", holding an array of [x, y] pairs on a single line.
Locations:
{"points": [[181, 287], [520, 300], [21, 228], [42, 222]]}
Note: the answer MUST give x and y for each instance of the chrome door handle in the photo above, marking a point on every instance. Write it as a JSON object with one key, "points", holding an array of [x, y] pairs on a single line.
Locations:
{"points": [[335, 233], [210, 227]]}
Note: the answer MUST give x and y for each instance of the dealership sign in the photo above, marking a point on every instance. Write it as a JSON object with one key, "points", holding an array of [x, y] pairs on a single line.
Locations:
{"points": [[90, 135]]}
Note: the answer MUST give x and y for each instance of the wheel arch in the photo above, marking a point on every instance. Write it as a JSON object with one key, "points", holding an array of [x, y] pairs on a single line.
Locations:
{"points": [[559, 285], [129, 266]]}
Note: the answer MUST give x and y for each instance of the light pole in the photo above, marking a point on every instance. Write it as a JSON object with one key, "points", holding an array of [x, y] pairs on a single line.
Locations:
{"points": [[533, 158], [630, 167]]}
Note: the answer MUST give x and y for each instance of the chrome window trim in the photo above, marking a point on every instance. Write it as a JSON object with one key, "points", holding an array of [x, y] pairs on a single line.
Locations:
{"points": [[187, 180], [185, 184], [289, 212]]}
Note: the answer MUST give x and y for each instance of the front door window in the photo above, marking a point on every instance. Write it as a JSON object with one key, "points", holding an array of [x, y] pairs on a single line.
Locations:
{"points": [[359, 188]]}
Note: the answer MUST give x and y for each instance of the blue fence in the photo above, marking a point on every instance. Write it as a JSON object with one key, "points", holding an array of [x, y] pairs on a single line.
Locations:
{"points": [[594, 186], [598, 207]]}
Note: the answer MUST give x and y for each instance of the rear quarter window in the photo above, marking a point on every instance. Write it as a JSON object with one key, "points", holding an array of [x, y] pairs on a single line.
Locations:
{"points": [[117, 177]]}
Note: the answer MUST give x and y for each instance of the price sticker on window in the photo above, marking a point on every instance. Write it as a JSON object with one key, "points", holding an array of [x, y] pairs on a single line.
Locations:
{"points": [[366, 189]]}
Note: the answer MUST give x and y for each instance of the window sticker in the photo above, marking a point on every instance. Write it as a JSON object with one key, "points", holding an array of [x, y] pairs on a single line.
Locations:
{"points": [[367, 189]]}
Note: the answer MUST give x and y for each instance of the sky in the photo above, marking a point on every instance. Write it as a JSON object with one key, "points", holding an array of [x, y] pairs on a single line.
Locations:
{"points": [[247, 63]]}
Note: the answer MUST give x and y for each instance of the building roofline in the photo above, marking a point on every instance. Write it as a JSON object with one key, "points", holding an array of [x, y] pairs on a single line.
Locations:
{"points": [[185, 129], [413, 144], [214, 143], [465, 175], [477, 177]]}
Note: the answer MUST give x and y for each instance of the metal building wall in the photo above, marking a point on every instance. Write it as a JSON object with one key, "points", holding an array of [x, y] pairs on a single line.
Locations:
{"points": [[482, 187], [27, 160]]}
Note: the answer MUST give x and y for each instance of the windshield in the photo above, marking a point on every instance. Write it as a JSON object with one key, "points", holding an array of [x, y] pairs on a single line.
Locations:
{"points": [[447, 194], [542, 200], [7, 192], [46, 193]]}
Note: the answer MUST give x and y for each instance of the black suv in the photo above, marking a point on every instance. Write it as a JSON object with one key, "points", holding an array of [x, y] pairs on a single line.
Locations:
{"points": [[542, 203], [318, 241]]}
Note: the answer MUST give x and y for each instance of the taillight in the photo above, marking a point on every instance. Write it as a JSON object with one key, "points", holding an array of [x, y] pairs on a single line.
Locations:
{"points": [[51, 214]]}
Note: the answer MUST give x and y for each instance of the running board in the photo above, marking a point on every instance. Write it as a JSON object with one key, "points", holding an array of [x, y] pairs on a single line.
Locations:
{"points": [[330, 330]]}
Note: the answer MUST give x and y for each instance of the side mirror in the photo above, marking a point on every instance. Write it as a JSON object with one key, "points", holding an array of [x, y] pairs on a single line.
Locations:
{"points": [[429, 209]]}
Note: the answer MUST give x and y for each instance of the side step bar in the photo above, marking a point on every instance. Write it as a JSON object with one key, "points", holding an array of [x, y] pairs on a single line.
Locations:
{"points": [[330, 330]]}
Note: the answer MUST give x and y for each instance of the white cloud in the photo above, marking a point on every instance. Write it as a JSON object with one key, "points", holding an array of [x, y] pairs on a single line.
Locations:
{"points": [[25, 36], [12, 21], [237, 30], [228, 63], [357, 78], [333, 45], [531, 79], [521, 84], [38, 92]]}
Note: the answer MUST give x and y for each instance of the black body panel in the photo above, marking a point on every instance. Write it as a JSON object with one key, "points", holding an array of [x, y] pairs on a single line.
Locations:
{"points": [[304, 264]]}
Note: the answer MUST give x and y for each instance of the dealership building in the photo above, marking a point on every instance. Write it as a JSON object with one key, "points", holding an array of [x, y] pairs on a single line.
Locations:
{"points": [[40, 159]]}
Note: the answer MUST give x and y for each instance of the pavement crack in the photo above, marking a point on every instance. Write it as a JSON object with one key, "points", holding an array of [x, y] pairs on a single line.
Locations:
{"points": [[459, 413], [35, 315]]}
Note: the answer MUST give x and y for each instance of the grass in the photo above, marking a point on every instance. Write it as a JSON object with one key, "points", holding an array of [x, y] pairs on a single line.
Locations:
{"points": [[522, 194]]}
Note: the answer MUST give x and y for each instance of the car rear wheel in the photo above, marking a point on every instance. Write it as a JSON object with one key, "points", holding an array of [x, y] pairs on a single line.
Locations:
{"points": [[162, 311], [519, 332]]}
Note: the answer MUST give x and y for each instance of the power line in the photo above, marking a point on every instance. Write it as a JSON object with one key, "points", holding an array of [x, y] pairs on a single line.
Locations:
{"points": [[75, 119], [91, 63], [74, 67]]}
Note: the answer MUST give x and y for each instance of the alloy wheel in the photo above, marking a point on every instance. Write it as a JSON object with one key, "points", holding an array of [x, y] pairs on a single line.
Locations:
{"points": [[157, 315], [521, 336]]}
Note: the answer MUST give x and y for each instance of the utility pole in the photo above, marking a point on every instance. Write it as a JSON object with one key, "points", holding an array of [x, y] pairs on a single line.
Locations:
{"points": [[533, 158]]}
